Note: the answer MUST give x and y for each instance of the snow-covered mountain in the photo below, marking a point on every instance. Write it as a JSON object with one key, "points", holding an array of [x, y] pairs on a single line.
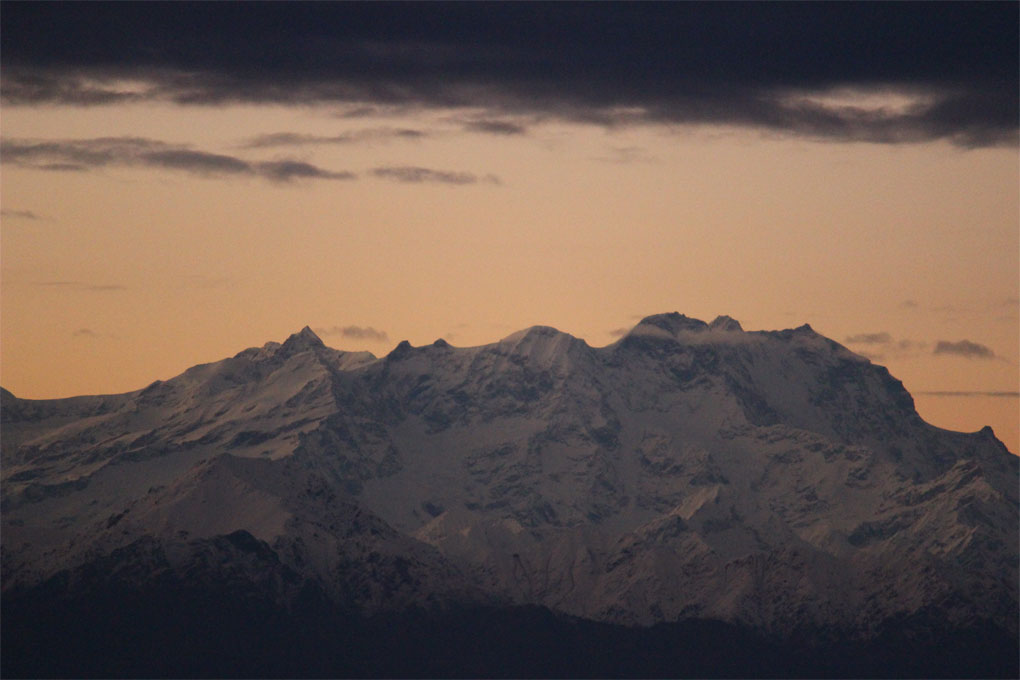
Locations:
{"points": [[769, 480]]}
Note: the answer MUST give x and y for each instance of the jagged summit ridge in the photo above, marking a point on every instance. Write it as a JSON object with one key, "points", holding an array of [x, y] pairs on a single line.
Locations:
{"points": [[666, 325]]}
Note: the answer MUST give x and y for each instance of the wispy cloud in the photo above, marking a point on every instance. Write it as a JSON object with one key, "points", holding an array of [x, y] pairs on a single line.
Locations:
{"points": [[61, 167], [623, 155], [882, 345], [277, 139], [882, 338], [619, 332], [1008, 395], [82, 286], [204, 281], [358, 110], [201, 162], [85, 333], [285, 171], [964, 348], [493, 126], [85, 154], [354, 332], [416, 175], [21, 215], [37, 87]]}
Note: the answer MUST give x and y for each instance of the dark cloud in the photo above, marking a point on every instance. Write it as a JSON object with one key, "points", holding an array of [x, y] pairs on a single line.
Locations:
{"points": [[619, 332], [1012, 395], [418, 175], [869, 339], [964, 348], [355, 332], [84, 154], [20, 214], [778, 67], [302, 139]]}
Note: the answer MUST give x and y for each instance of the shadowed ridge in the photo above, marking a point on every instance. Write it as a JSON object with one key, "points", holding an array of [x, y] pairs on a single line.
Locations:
{"points": [[9, 410], [403, 349]]}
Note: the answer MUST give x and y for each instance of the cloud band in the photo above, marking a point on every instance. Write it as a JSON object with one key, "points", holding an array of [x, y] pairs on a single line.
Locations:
{"points": [[769, 66]]}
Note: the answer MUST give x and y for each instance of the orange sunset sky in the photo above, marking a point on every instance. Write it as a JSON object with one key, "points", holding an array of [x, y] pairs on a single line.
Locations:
{"points": [[146, 229]]}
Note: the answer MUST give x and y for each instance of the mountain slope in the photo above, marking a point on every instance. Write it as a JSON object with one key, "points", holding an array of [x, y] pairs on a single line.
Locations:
{"points": [[690, 471]]}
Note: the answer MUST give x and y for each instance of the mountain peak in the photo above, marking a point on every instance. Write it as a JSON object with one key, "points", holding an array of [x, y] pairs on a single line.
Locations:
{"points": [[544, 344], [533, 332], [303, 339], [403, 349], [725, 323], [671, 322]]}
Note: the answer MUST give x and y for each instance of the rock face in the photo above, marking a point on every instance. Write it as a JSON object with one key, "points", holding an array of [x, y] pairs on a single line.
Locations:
{"points": [[772, 481]]}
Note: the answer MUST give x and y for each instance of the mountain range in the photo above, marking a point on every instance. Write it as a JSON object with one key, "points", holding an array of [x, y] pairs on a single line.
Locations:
{"points": [[692, 499]]}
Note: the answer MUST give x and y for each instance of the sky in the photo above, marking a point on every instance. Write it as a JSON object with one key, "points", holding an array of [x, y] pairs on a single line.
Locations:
{"points": [[181, 181]]}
